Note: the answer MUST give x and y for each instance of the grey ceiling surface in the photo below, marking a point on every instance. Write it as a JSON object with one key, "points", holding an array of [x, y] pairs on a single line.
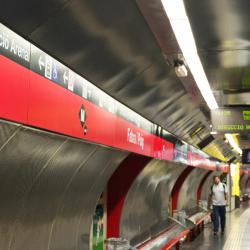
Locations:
{"points": [[222, 36], [49, 187]]}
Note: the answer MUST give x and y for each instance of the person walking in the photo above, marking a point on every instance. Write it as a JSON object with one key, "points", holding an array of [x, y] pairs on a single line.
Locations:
{"points": [[219, 199]]}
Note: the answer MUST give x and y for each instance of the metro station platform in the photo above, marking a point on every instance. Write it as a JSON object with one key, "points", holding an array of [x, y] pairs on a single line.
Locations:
{"points": [[115, 117], [236, 235]]}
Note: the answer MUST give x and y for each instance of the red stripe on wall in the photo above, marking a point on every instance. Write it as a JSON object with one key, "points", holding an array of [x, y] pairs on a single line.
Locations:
{"points": [[55, 108], [14, 82]]}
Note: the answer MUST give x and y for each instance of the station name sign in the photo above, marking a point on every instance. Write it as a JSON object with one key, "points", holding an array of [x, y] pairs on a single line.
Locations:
{"points": [[231, 120]]}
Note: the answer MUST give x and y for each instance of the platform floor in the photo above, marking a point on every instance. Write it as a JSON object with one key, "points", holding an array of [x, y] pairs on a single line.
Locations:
{"points": [[236, 237]]}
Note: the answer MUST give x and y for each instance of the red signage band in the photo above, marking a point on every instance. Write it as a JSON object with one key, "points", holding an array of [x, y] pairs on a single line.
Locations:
{"points": [[31, 99], [40, 91], [28, 98]]}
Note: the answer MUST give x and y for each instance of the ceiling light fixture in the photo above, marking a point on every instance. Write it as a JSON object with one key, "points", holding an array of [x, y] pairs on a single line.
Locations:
{"points": [[233, 144], [179, 21], [213, 133], [180, 69], [180, 24]]}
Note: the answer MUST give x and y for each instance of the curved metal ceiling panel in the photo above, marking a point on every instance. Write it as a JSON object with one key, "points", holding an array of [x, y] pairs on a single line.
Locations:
{"points": [[147, 202], [49, 188], [224, 51], [227, 70], [98, 40], [32, 13], [216, 31]]}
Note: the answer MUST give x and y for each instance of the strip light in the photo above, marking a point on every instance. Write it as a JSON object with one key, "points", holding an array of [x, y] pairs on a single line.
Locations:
{"points": [[179, 21], [233, 144], [180, 24]]}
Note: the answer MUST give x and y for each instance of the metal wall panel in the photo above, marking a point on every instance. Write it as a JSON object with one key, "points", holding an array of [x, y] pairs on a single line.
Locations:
{"points": [[7, 132], [147, 202], [188, 193], [243, 182], [248, 185], [49, 187]]}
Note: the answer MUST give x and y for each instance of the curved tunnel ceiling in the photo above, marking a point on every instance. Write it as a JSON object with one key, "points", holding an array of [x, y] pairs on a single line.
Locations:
{"points": [[112, 46], [223, 41]]}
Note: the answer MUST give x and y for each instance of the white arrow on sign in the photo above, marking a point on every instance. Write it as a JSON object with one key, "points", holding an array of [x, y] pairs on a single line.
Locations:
{"points": [[65, 77], [40, 62]]}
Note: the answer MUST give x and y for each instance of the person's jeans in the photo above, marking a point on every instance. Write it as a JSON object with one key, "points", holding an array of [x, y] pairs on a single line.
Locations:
{"points": [[219, 213]]}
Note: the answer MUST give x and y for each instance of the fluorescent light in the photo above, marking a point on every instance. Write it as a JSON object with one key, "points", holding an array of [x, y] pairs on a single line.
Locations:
{"points": [[174, 9], [213, 133], [176, 13], [232, 142]]}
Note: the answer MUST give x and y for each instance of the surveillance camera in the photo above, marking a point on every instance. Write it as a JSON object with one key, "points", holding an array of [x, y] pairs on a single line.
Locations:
{"points": [[180, 68]]}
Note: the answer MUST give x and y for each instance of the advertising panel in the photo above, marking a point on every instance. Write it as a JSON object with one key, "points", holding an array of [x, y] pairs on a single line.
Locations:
{"points": [[98, 228], [180, 152]]}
